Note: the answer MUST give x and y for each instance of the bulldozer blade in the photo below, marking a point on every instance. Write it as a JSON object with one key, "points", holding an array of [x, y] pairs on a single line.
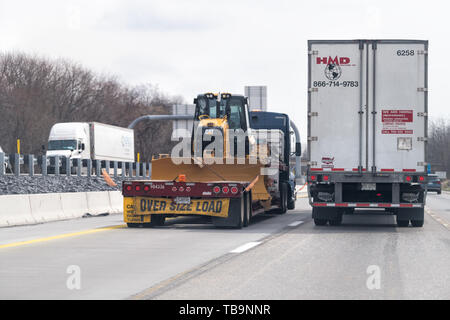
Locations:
{"points": [[166, 169]]}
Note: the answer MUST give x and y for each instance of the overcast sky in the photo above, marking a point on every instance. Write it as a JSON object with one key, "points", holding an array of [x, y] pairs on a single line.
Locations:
{"points": [[195, 46]]}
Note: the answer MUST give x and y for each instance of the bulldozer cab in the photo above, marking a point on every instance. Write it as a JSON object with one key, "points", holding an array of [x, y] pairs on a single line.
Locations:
{"points": [[215, 116], [232, 108]]}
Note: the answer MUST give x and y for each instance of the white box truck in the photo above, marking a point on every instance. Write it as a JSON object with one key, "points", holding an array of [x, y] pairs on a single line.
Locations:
{"points": [[367, 128], [91, 140]]}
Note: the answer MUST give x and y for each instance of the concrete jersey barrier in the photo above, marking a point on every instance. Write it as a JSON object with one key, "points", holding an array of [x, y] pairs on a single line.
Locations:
{"points": [[15, 210], [116, 200], [74, 204], [28, 209]]}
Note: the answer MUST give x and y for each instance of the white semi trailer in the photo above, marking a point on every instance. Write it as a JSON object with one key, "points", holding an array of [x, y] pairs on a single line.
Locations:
{"points": [[91, 140], [367, 128]]}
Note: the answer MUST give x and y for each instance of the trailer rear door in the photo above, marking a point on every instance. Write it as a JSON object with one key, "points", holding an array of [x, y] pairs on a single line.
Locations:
{"points": [[399, 86], [367, 105], [335, 97]]}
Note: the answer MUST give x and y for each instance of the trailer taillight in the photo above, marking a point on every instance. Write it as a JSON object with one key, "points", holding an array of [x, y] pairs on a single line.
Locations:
{"points": [[326, 178], [146, 188], [137, 188], [174, 189], [188, 189], [128, 188], [408, 178], [225, 189], [181, 189], [234, 190], [216, 189], [313, 178], [421, 178]]}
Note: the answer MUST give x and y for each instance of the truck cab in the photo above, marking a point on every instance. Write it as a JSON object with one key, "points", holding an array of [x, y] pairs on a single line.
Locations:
{"points": [[263, 120], [217, 114], [69, 139]]}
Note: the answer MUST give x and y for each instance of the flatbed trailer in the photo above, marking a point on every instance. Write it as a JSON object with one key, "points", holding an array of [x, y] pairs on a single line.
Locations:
{"points": [[228, 204]]}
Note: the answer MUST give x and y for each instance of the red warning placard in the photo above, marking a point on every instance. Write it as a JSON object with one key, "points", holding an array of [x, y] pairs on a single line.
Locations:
{"points": [[397, 116], [396, 121]]}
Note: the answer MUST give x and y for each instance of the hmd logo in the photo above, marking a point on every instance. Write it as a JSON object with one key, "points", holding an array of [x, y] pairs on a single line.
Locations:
{"points": [[333, 61]]}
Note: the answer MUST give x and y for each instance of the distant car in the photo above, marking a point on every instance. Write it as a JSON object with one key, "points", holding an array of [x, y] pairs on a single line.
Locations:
{"points": [[434, 184], [6, 159]]}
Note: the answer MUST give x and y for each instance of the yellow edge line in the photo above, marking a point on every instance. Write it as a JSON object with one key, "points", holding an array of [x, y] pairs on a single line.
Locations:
{"points": [[438, 219], [61, 236]]}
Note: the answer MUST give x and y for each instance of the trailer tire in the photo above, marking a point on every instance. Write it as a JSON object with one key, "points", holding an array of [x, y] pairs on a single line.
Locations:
{"points": [[134, 225], [320, 222], [283, 199], [236, 214], [410, 214], [402, 223], [156, 220], [247, 208], [417, 223], [291, 200], [241, 219], [331, 214], [337, 221]]}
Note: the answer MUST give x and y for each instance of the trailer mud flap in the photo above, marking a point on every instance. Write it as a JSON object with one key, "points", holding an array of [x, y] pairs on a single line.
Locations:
{"points": [[232, 220], [325, 213], [129, 212], [410, 214]]}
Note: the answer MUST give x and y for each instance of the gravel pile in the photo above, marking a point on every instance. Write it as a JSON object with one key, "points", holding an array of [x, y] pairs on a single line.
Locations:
{"points": [[10, 184]]}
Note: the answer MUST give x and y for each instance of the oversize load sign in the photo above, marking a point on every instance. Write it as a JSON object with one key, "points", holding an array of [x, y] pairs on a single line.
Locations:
{"points": [[209, 207], [395, 121]]}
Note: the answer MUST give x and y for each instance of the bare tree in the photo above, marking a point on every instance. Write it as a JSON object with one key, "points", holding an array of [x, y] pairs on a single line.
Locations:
{"points": [[36, 93], [439, 145]]}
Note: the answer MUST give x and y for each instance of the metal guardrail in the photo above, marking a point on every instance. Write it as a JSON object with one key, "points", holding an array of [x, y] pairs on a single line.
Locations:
{"points": [[15, 164]]}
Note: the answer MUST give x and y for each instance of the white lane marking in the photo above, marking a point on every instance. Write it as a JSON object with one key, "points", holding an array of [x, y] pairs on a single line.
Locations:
{"points": [[245, 247], [295, 223]]}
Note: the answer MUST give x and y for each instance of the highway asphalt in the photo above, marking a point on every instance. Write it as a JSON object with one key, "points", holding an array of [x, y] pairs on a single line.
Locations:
{"points": [[276, 257]]}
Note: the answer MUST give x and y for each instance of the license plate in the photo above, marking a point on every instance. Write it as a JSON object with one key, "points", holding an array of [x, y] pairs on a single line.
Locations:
{"points": [[185, 200], [368, 186], [207, 207]]}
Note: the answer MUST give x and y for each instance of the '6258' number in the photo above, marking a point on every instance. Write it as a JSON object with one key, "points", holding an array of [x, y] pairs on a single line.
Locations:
{"points": [[405, 53]]}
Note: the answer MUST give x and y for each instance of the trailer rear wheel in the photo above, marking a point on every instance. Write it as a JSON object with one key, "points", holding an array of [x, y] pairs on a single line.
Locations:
{"points": [[415, 215], [283, 199], [156, 220], [320, 222], [236, 215], [241, 219], [402, 223], [417, 223], [322, 215], [247, 208], [291, 200], [134, 225], [336, 221]]}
